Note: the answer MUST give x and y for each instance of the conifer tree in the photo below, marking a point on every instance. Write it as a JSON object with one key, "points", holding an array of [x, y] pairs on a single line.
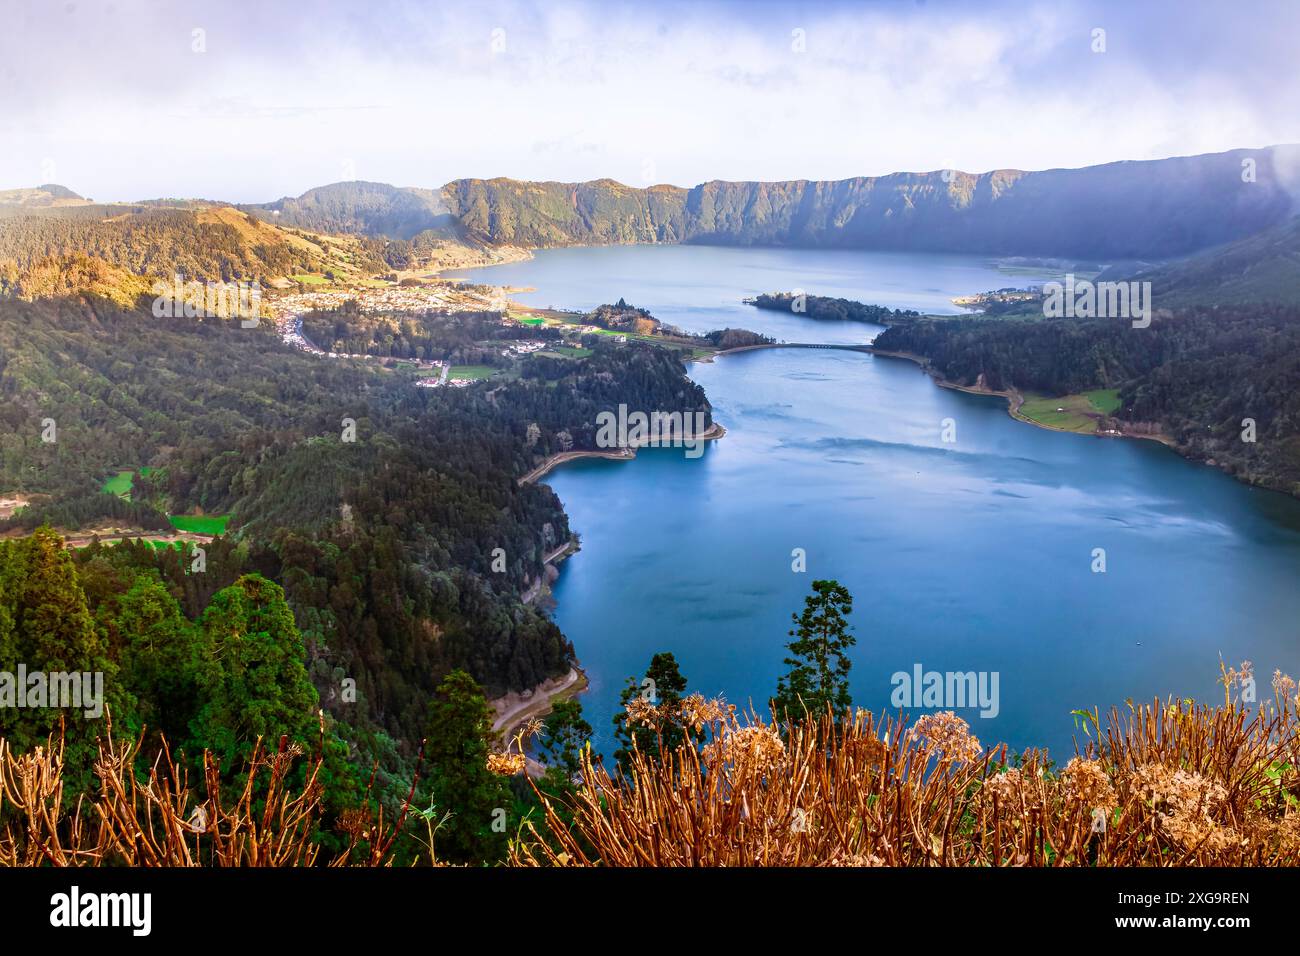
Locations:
{"points": [[662, 688], [819, 668], [458, 736]]}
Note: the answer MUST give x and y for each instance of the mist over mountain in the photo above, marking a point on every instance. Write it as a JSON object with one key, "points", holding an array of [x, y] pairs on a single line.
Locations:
{"points": [[1264, 267], [370, 209], [1147, 209]]}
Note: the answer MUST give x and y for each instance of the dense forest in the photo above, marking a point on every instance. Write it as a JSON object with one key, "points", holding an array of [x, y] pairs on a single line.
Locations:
{"points": [[125, 641], [402, 553], [1196, 374], [110, 612]]}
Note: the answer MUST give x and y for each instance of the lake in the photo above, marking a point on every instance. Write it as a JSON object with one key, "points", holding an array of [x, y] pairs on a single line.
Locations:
{"points": [[972, 555], [700, 288]]}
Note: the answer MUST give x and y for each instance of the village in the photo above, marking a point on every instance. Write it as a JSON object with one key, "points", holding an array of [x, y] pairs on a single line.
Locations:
{"points": [[446, 297]]}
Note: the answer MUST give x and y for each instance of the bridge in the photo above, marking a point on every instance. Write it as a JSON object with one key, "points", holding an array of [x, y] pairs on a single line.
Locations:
{"points": [[801, 345]]}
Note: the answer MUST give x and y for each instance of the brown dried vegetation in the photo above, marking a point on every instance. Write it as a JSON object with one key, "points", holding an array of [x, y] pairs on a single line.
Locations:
{"points": [[1174, 784]]}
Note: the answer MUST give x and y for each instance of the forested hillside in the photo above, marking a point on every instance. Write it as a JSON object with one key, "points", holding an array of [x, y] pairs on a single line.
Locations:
{"points": [[1264, 267], [507, 211], [1195, 375], [217, 680], [1121, 210], [115, 251], [463, 338], [386, 546]]}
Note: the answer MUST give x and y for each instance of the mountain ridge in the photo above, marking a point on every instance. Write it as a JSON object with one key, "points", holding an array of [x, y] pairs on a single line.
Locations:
{"points": [[1127, 209]]}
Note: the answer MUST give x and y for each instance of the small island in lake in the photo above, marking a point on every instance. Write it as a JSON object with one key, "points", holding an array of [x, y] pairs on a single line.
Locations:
{"points": [[826, 307]]}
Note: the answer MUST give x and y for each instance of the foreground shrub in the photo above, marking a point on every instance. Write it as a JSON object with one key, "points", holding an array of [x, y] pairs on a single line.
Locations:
{"points": [[1176, 784]]}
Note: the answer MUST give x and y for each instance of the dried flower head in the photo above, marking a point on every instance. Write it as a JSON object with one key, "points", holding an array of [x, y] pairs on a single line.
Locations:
{"points": [[697, 711], [1184, 804], [508, 764], [1086, 782], [949, 735], [1005, 786], [640, 712], [756, 746]]}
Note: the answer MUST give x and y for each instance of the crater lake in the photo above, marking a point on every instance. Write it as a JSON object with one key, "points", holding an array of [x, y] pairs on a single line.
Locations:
{"points": [[975, 555]]}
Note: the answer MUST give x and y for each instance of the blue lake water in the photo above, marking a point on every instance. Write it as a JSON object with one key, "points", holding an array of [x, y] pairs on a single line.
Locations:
{"points": [[700, 288], [974, 555]]}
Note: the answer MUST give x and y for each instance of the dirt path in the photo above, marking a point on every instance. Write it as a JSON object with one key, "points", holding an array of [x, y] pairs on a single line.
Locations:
{"points": [[621, 454], [82, 540], [516, 710], [558, 554]]}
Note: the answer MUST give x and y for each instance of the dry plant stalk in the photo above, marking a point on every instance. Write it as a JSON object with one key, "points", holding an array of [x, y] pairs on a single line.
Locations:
{"points": [[1172, 784], [160, 822]]}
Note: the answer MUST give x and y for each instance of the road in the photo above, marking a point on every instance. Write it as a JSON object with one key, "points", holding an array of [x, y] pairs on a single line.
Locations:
{"points": [[535, 706]]}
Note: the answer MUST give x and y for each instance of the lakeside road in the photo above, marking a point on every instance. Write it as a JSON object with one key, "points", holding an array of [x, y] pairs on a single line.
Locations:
{"points": [[627, 453], [621, 454], [557, 555], [514, 709]]}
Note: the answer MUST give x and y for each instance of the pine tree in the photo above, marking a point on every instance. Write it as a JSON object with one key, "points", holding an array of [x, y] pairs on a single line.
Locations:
{"points": [[663, 689], [254, 683], [46, 627], [458, 735], [564, 734], [819, 668], [161, 654]]}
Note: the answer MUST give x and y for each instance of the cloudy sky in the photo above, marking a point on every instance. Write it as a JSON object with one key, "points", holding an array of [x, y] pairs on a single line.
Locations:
{"points": [[248, 101]]}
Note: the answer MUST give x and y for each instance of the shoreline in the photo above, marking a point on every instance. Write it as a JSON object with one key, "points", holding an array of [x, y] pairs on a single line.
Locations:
{"points": [[626, 453], [1014, 399], [549, 561], [514, 709]]}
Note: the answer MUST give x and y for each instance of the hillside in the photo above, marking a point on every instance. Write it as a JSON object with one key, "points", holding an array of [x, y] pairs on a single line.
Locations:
{"points": [[1122, 210], [506, 211], [1193, 377], [117, 250], [361, 208], [1261, 268], [50, 194]]}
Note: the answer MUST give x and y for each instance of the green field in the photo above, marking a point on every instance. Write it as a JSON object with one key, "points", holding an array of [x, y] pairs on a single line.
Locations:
{"points": [[123, 483], [120, 484], [472, 372], [533, 322], [1072, 413], [310, 280], [200, 524]]}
